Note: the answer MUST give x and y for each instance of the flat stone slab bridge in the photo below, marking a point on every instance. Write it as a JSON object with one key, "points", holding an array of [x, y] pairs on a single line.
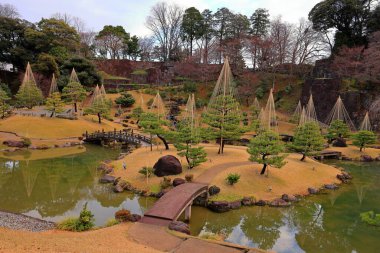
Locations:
{"points": [[123, 136], [173, 203]]}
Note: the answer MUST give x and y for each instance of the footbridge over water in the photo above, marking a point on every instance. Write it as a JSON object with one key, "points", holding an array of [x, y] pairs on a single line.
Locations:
{"points": [[173, 203], [122, 136]]}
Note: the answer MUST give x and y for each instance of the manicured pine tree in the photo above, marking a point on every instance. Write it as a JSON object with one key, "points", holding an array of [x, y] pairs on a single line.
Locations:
{"points": [[136, 114], [338, 129], [100, 106], [3, 102], [265, 149], [362, 138], [307, 139], [186, 138], [54, 103], [154, 125], [74, 91]]}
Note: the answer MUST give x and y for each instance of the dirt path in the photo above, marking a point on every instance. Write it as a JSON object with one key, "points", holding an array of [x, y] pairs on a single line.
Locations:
{"points": [[207, 176]]}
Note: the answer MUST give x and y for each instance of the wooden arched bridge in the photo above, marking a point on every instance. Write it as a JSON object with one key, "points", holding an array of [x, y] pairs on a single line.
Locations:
{"points": [[172, 204], [122, 136]]}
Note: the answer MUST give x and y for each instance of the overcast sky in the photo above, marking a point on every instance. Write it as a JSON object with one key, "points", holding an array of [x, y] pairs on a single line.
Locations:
{"points": [[131, 14]]}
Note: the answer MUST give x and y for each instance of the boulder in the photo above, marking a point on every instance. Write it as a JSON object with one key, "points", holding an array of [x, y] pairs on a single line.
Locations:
{"points": [[331, 187], [235, 204], [279, 203], [201, 200], [105, 168], [107, 179], [248, 201], [344, 177], [219, 206], [167, 165], [312, 190], [339, 142], [366, 158], [135, 218], [346, 158], [118, 188], [289, 198], [213, 190], [123, 215], [179, 226], [14, 144], [178, 181], [260, 203]]}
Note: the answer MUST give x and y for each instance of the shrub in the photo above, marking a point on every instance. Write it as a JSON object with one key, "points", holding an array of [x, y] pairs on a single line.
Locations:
{"points": [[165, 183], [371, 218], [146, 171], [260, 92], [189, 177], [189, 87], [232, 178], [123, 215], [27, 142], [125, 99], [68, 224], [288, 89], [86, 219], [111, 222]]}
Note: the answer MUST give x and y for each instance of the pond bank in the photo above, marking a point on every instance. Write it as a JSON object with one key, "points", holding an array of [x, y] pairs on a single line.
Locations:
{"points": [[23, 222]]}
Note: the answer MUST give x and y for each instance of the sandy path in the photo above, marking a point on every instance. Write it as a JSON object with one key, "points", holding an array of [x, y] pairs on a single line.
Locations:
{"points": [[112, 239]]}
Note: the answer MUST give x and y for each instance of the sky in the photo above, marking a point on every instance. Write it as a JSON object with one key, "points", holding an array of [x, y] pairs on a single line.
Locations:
{"points": [[131, 14]]}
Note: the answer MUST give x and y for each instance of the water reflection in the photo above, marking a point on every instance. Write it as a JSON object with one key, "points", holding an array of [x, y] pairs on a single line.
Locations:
{"points": [[323, 223], [53, 189]]}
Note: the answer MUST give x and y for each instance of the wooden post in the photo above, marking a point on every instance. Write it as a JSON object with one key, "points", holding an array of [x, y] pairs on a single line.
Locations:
{"points": [[86, 134], [188, 212]]}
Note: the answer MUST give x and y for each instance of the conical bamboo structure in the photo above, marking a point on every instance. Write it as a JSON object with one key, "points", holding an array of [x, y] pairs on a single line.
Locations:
{"points": [[303, 118], [297, 112], [158, 106], [74, 77], [311, 114], [269, 119], [53, 85], [366, 123], [28, 77], [103, 91], [339, 112]]}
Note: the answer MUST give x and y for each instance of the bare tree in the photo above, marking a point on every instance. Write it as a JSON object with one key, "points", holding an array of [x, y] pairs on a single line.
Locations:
{"points": [[146, 45], [280, 35], [8, 11], [165, 23]]}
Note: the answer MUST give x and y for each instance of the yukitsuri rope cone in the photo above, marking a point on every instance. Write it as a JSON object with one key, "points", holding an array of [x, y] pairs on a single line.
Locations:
{"points": [[339, 112], [158, 106], [366, 123], [269, 118], [53, 85]]}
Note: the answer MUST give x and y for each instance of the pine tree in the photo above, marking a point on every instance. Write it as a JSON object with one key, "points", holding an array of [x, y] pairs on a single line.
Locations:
{"points": [[100, 106], [74, 92], [338, 129], [265, 149], [153, 124], [186, 138], [29, 95], [224, 120], [3, 102], [362, 138], [308, 139], [54, 103], [136, 114]]}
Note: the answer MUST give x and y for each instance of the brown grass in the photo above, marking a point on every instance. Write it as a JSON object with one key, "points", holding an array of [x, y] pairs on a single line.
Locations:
{"points": [[354, 152]]}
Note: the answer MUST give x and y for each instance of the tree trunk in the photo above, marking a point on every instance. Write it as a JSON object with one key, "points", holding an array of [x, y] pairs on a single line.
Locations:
{"points": [[151, 143], [164, 141], [75, 107], [263, 169], [52, 114], [99, 118], [361, 148], [303, 157]]}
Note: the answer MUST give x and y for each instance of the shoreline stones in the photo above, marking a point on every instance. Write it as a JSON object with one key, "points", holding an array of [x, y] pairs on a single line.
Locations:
{"points": [[312, 190], [15, 144], [331, 186], [106, 179], [179, 226], [289, 198], [366, 158], [125, 216], [344, 177], [248, 201], [279, 203], [178, 181]]}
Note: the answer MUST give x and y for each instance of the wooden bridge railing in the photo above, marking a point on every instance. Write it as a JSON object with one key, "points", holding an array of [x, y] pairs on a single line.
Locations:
{"points": [[120, 136]]}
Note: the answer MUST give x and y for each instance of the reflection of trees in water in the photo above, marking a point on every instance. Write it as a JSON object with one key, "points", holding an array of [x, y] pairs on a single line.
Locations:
{"points": [[29, 175]]}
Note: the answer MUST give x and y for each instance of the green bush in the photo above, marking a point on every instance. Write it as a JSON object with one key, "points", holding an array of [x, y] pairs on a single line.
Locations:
{"points": [[125, 99], [27, 142], [146, 171], [189, 87], [232, 178], [288, 89], [165, 183], [111, 222], [260, 92], [371, 218], [83, 223], [68, 224]]}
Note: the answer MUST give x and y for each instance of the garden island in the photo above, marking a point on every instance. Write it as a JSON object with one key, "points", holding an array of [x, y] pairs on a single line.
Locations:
{"points": [[221, 131]]}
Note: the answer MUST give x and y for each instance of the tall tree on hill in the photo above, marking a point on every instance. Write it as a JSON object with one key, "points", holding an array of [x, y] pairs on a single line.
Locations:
{"points": [[4, 98], [348, 17], [222, 27], [9, 11], [192, 26], [165, 23], [111, 40], [259, 28], [132, 48], [208, 33]]}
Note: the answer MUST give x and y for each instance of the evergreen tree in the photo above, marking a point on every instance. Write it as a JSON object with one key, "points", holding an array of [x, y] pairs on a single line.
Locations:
{"points": [[136, 114], [362, 138], [338, 129], [186, 138], [153, 124], [54, 103], [74, 92], [223, 118], [265, 149], [100, 106], [260, 22], [307, 139], [3, 102], [29, 95], [192, 27], [208, 32]]}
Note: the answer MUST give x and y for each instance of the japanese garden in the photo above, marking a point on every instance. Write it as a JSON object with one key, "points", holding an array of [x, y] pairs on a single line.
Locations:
{"points": [[221, 130]]}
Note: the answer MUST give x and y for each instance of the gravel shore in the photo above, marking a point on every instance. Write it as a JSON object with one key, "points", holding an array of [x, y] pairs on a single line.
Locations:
{"points": [[23, 222]]}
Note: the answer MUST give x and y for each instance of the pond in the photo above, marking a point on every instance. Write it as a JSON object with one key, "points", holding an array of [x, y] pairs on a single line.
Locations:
{"points": [[56, 188], [53, 189]]}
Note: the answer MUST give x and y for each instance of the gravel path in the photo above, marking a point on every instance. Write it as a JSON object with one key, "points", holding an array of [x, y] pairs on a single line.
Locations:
{"points": [[23, 222]]}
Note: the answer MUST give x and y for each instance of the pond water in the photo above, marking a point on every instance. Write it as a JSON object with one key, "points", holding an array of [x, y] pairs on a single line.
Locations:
{"points": [[53, 189]]}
